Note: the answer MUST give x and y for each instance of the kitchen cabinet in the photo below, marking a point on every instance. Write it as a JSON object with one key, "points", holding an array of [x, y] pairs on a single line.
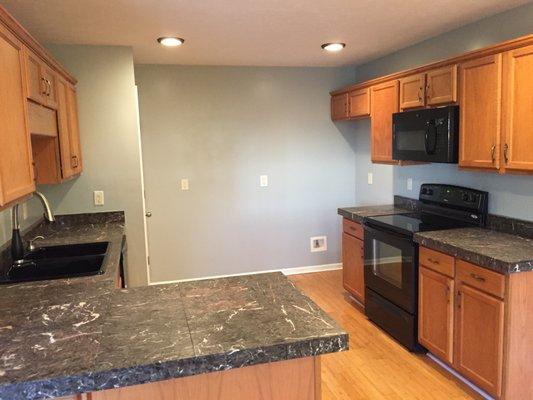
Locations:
{"points": [[339, 107], [359, 103], [384, 100], [480, 117], [16, 172], [518, 105], [412, 91], [479, 338], [432, 88], [436, 313], [353, 260], [59, 158], [478, 321], [41, 81], [441, 86]]}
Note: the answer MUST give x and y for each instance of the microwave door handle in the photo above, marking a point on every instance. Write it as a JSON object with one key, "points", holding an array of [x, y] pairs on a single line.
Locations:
{"points": [[431, 128]]}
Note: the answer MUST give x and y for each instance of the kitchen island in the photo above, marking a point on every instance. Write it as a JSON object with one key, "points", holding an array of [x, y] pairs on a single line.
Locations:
{"points": [[214, 338]]}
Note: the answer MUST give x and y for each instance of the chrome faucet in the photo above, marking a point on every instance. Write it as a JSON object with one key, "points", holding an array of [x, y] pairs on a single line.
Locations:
{"points": [[17, 247]]}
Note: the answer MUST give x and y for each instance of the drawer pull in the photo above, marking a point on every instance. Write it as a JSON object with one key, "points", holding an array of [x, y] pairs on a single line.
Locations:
{"points": [[433, 261], [477, 277]]}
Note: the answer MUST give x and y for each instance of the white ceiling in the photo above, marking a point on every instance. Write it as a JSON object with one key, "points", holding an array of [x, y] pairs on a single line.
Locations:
{"points": [[250, 32]]}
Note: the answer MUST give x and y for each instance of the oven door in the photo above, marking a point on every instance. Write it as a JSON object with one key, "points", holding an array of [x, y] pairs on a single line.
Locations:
{"points": [[391, 262]]}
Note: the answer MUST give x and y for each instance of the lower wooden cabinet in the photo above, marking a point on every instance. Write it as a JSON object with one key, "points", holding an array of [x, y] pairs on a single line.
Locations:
{"points": [[479, 338], [353, 264], [436, 313], [479, 322]]}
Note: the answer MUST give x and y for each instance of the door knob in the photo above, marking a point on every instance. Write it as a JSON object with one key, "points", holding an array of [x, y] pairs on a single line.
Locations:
{"points": [[148, 214]]}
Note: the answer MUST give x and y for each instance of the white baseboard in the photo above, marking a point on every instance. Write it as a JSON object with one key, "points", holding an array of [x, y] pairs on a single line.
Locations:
{"points": [[285, 271]]}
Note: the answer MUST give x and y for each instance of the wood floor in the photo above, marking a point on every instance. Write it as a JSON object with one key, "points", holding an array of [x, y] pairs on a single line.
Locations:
{"points": [[375, 367]]}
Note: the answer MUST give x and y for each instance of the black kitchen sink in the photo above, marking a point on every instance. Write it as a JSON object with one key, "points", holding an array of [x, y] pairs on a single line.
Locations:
{"points": [[60, 262], [69, 250]]}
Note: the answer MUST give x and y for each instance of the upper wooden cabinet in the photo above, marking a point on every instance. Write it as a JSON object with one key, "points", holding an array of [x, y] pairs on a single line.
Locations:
{"points": [[412, 91], [517, 151], [480, 112], [339, 107], [41, 81], [384, 99], [433, 88], [359, 103], [493, 87], [16, 172], [32, 119], [441, 86]]}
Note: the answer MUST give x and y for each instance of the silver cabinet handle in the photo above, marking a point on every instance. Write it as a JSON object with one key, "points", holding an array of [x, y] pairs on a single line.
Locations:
{"points": [[477, 277], [148, 214], [506, 153], [493, 153]]}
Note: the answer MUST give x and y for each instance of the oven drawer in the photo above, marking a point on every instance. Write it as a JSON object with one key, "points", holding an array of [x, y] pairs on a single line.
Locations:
{"points": [[481, 278], [392, 319], [352, 228], [437, 261]]}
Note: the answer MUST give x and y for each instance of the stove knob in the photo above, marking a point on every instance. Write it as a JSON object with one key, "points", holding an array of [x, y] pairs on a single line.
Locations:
{"points": [[466, 197]]}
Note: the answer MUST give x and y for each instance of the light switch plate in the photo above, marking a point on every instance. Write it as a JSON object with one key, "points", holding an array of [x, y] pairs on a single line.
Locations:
{"points": [[98, 198], [185, 184], [263, 180], [370, 178]]}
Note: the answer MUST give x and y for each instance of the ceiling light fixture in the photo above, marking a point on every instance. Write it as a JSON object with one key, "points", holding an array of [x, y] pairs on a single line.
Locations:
{"points": [[171, 41], [333, 46]]}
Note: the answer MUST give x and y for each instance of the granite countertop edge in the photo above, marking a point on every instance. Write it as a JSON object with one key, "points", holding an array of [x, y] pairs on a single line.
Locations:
{"points": [[92, 381], [474, 257]]}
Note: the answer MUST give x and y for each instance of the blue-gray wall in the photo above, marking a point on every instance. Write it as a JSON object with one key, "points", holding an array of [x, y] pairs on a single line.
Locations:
{"points": [[511, 195], [223, 127]]}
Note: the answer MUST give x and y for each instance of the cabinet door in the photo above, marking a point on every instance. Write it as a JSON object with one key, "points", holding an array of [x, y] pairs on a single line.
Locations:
{"points": [[339, 107], [353, 273], [74, 130], [412, 91], [479, 338], [50, 80], [435, 313], [480, 83], [64, 131], [384, 99], [441, 86], [16, 171], [359, 102], [36, 87], [518, 106]]}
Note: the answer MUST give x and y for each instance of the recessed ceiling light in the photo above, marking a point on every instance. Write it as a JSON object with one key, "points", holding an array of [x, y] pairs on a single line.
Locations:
{"points": [[171, 41], [333, 46]]}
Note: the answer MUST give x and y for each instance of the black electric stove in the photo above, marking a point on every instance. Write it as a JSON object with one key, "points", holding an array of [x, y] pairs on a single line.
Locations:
{"points": [[391, 255]]}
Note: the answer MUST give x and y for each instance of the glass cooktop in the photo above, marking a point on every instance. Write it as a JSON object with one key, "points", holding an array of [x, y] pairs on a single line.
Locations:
{"points": [[414, 222]]}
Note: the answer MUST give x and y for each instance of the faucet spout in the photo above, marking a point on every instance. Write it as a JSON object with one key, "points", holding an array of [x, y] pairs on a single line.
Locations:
{"points": [[48, 214]]}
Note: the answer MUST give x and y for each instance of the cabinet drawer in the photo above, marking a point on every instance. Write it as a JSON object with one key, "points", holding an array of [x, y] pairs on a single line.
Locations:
{"points": [[352, 228], [481, 278], [437, 261]]}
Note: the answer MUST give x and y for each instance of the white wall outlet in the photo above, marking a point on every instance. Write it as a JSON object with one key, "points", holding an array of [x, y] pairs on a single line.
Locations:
{"points": [[184, 184], [98, 198], [319, 243], [24, 211], [409, 184], [263, 180], [370, 178]]}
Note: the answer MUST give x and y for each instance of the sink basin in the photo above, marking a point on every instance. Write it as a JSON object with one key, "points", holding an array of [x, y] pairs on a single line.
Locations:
{"points": [[69, 250], [59, 262]]}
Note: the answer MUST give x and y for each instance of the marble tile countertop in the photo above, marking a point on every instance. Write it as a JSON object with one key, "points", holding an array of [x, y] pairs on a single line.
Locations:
{"points": [[357, 214], [491, 249], [82, 336]]}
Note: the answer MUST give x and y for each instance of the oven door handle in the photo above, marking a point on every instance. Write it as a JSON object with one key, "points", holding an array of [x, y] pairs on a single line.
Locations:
{"points": [[383, 231]]}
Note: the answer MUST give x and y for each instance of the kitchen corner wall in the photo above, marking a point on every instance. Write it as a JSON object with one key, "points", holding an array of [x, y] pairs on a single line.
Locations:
{"points": [[223, 127], [510, 195], [110, 138]]}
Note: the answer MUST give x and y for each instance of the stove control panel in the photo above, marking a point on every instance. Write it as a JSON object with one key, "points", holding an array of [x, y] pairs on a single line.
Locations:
{"points": [[454, 197]]}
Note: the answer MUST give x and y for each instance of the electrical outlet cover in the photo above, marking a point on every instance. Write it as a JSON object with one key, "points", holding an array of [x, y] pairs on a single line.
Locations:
{"points": [[318, 243]]}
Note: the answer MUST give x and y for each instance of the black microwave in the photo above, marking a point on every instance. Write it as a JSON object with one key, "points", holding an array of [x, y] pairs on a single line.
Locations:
{"points": [[430, 135]]}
